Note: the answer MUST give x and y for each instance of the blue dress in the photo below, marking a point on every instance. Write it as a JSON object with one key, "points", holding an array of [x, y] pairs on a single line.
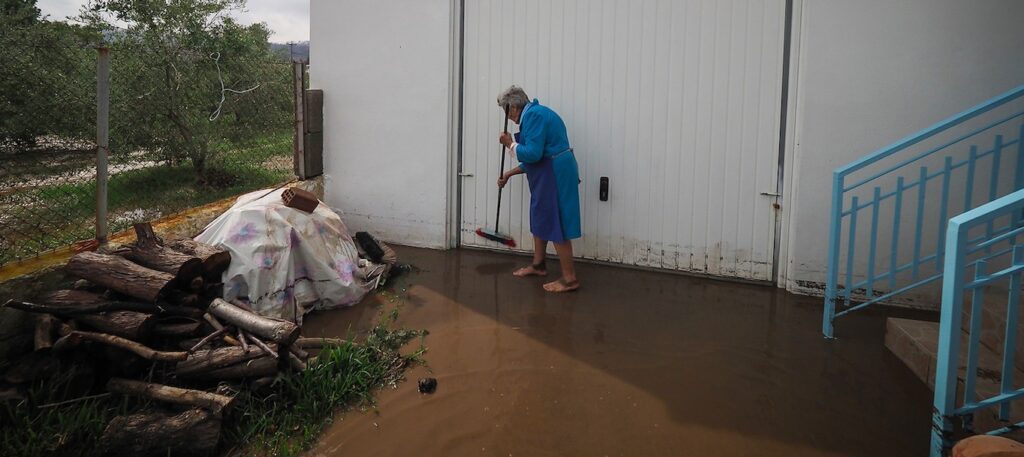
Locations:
{"points": [[552, 173]]}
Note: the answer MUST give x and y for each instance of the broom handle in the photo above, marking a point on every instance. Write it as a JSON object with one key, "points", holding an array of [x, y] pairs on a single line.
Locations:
{"points": [[500, 172]]}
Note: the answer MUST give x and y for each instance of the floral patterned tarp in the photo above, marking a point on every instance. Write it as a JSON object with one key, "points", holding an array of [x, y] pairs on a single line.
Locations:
{"points": [[286, 262]]}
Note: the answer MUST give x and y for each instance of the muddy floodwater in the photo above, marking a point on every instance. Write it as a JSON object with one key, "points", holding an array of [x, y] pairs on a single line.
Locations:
{"points": [[636, 363]]}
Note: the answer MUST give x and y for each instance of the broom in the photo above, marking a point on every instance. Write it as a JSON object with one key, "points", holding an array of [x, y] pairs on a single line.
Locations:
{"points": [[494, 235]]}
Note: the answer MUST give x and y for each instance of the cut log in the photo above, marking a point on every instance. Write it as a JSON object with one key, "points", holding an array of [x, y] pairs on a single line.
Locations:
{"points": [[126, 324], [75, 338], [215, 260], [120, 275], [214, 359], [255, 368], [177, 327], [158, 434], [210, 401], [46, 327], [150, 253], [277, 330], [317, 343]]}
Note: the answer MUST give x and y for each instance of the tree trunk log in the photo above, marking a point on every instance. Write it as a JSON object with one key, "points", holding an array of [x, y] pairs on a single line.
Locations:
{"points": [[255, 368], [120, 275], [280, 331], [76, 337], [149, 252], [158, 434], [213, 402], [215, 260], [46, 326], [204, 361], [126, 324]]}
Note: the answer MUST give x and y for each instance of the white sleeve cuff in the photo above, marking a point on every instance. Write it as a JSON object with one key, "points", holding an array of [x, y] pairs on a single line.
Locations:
{"points": [[512, 150]]}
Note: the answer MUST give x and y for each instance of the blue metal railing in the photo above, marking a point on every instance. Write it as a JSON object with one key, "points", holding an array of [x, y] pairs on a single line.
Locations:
{"points": [[960, 247], [901, 184]]}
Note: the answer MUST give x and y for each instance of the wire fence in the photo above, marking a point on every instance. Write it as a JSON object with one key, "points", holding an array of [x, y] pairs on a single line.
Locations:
{"points": [[186, 127]]}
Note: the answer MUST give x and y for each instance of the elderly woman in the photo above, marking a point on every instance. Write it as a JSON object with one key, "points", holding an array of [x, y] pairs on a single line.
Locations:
{"points": [[542, 148]]}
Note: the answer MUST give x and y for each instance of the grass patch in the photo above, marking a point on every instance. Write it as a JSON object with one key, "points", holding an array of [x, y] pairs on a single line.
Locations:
{"points": [[72, 429], [47, 217], [287, 420], [283, 420]]}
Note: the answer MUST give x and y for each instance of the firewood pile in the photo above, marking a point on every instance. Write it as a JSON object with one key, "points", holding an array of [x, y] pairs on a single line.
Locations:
{"points": [[149, 319]]}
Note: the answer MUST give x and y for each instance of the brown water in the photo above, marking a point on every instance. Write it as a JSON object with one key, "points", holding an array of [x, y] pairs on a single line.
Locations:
{"points": [[634, 364]]}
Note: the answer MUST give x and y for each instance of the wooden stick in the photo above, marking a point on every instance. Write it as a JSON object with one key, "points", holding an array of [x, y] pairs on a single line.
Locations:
{"points": [[176, 395], [207, 339], [71, 303], [75, 337], [217, 326], [296, 363], [277, 330], [261, 345], [241, 338]]}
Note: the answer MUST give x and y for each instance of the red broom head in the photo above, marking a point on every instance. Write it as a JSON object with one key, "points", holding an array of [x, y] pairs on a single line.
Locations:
{"points": [[496, 238]]}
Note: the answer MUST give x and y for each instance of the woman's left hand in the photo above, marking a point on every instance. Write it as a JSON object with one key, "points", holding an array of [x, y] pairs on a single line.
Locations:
{"points": [[505, 139]]}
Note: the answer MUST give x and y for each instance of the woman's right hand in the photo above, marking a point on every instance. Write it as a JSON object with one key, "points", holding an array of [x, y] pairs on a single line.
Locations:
{"points": [[502, 181]]}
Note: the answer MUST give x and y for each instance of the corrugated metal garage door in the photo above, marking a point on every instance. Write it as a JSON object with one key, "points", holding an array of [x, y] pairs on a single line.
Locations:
{"points": [[677, 102]]}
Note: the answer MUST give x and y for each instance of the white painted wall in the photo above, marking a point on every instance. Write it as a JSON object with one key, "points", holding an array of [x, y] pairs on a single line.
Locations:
{"points": [[874, 71], [384, 67], [868, 72]]}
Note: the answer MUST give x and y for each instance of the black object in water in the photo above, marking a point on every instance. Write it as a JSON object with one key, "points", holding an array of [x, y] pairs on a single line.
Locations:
{"points": [[428, 385]]}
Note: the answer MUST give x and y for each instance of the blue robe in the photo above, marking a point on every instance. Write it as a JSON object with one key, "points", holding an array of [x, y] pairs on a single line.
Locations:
{"points": [[552, 172]]}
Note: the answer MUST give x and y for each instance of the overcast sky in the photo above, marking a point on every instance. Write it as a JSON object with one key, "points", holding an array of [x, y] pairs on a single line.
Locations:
{"points": [[289, 19]]}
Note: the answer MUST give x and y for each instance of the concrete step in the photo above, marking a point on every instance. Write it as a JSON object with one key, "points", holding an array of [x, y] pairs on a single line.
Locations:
{"points": [[916, 344], [993, 324]]}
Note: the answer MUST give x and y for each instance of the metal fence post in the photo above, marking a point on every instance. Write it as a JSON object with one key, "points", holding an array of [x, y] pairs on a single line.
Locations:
{"points": [[832, 278], [102, 139], [299, 79]]}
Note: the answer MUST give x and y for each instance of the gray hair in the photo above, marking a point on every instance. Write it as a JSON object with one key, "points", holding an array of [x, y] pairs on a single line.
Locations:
{"points": [[513, 96]]}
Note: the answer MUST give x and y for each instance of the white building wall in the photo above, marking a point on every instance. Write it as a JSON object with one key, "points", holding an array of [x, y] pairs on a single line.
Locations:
{"points": [[384, 67], [874, 71], [869, 72]]}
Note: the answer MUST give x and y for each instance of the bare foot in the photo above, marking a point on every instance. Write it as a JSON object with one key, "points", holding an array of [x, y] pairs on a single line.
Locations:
{"points": [[562, 286], [532, 270]]}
